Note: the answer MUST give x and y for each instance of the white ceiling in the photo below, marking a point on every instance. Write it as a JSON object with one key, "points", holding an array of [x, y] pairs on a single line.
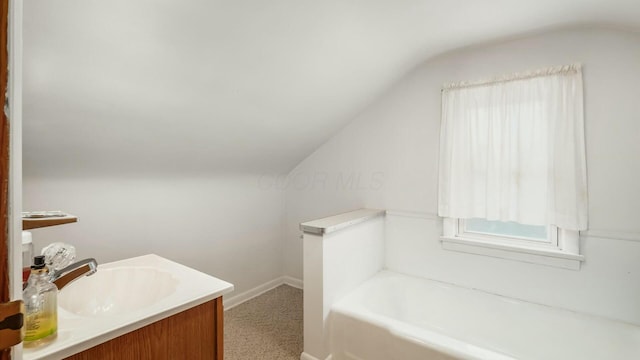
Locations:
{"points": [[149, 86]]}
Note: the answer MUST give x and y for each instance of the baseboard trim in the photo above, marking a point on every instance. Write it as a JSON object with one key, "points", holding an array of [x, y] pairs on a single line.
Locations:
{"points": [[306, 356], [236, 300], [291, 281]]}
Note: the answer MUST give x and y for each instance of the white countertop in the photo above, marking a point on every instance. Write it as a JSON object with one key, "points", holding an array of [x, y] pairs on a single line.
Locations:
{"points": [[77, 333], [336, 222]]}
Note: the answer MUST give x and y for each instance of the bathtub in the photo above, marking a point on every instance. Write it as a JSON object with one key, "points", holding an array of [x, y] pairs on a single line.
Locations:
{"points": [[395, 316]]}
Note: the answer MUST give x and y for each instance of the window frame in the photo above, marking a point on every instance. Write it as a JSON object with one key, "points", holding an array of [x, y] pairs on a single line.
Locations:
{"points": [[562, 249]]}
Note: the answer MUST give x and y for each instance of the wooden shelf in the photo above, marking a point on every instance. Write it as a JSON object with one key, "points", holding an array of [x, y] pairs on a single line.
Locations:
{"points": [[34, 223]]}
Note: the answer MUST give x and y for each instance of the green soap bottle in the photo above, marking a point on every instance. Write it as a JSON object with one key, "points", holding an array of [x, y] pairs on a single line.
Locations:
{"points": [[41, 305]]}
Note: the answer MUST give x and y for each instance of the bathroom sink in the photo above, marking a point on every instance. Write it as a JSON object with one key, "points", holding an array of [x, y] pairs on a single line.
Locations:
{"points": [[114, 291], [124, 296]]}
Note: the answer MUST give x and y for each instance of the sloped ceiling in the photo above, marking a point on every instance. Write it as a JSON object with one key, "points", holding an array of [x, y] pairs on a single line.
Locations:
{"points": [[190, 86]]}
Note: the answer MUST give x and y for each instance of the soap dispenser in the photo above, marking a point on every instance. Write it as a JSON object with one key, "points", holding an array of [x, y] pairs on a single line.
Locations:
{"points": [[41, 308]]}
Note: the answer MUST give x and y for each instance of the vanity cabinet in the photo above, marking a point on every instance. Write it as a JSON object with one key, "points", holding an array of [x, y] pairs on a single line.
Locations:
{"points": [[194, 334]]}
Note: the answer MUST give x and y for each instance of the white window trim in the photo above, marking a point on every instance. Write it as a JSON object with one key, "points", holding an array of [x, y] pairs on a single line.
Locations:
{"points": [[562, 251]]}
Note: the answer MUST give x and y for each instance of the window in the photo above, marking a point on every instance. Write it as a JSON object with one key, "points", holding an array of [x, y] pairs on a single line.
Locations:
{"points": [[512, 174], [526, 234]]}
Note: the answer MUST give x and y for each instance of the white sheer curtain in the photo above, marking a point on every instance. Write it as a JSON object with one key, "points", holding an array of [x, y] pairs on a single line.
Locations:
{"points": [[512, 149]]}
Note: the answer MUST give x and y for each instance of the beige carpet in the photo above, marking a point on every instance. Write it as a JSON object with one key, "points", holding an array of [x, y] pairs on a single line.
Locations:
{"points": [[268, 327]]}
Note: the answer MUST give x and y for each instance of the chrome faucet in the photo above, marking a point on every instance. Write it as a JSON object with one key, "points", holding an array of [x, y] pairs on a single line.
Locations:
{"points": [[66, 275]]}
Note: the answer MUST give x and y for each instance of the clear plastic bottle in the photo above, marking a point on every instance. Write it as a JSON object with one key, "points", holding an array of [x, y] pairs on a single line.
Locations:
{"points": [[41, 307], [58, 255], [27, 256]]}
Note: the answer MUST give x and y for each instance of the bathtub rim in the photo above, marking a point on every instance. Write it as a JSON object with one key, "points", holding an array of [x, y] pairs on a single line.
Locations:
{"points": [[394, 326]]}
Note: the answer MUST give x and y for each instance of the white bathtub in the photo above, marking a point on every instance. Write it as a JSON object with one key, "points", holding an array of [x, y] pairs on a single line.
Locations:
{"points": [[394, 316]]}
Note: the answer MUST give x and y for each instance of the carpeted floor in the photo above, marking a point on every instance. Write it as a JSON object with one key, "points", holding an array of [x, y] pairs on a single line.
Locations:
{"points": [[268, 327]]}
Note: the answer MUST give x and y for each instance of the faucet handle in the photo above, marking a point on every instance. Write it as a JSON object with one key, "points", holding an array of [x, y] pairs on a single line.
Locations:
{"points": [[58, 255]]}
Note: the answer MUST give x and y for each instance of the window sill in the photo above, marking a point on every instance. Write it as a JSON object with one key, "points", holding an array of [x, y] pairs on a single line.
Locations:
{"points": [[548, 257]]}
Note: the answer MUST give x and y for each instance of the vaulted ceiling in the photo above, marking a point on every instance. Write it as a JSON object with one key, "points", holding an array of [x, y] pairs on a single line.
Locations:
{"points": [[185, 86]]}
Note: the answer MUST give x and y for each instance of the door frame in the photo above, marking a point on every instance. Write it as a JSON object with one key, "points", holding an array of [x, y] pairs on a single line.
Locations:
{"points": [[13, 240], [15, 156], [5, 146]]}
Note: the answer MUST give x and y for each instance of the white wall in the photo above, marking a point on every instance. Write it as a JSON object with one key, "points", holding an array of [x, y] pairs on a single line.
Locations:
{"points": [[390, 153], [226, 226]]}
